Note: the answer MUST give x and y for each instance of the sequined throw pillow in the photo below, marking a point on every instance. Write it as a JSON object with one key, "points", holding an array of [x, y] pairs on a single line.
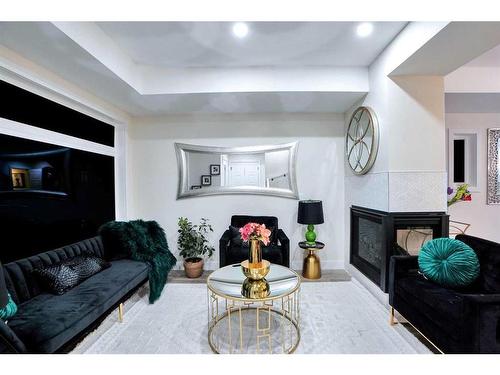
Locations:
{"points": [[61, 277]]}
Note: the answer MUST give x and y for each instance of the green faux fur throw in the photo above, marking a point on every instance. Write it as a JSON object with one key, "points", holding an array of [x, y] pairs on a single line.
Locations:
{"points": [[143, 241]]}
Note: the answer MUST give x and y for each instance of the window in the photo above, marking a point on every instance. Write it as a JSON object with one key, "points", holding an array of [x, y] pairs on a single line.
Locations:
{"points": [[462, 158], [459, 160]]}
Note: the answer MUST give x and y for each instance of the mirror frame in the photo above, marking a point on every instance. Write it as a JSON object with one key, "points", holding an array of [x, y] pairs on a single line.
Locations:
{"points": [[182, 192], [373, 152], [493, 180]]}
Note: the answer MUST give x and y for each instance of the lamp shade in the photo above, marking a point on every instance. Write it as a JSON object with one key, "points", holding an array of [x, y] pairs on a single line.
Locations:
{"points": [[310, 212]]}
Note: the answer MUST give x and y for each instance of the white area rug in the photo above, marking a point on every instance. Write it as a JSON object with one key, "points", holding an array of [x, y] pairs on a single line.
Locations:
{"points": [[336, 317]]}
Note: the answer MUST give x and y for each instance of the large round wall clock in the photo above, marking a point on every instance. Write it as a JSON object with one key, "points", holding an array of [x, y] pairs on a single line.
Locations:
{"points": [[361, 140]]}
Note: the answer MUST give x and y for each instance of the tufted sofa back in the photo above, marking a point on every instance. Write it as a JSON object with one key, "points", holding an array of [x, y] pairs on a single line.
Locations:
{"points": [[488, 253], [20, 281]]}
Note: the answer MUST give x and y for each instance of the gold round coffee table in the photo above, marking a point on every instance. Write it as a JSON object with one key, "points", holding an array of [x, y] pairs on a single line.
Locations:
{"points": [[238, 324]]}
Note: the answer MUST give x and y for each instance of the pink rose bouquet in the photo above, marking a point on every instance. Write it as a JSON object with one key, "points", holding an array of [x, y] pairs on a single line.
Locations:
{"points": [[254, 231]]}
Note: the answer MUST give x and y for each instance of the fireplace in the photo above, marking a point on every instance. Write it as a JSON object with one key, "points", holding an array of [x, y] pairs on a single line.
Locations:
{"points": [[377, 235]]}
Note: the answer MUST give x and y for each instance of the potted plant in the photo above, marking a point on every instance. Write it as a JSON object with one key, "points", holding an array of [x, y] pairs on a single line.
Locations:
{"points": [[193, 245]]}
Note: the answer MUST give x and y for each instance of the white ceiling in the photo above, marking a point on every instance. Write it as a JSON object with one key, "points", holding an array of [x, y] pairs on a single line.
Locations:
{"points": [[487, 59], [211, 44], [151, 69], [455, 44]]}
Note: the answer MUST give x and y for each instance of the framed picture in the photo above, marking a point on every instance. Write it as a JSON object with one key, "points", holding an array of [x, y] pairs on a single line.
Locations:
{"points": [[214, 169], [20, 178], [206, 180], [194, 187]]}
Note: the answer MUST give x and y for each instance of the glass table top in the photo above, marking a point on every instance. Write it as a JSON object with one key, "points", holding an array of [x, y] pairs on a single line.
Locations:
{"points": [[227, 281]]}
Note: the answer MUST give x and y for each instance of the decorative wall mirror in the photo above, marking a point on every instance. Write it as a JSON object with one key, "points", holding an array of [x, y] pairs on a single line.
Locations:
{"points": [[361, 141], [493, 196], [263, 170]]}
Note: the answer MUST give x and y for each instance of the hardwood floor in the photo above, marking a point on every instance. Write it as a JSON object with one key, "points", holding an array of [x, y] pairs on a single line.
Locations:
{"points": [[178, 276]]}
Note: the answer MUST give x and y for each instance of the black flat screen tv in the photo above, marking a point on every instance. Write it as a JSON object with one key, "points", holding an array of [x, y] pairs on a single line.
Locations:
{"points": [[51, 196]]}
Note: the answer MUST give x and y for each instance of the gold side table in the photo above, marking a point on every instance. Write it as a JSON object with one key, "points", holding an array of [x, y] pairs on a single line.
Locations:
{"points": [[312, 265], [239, 324]]}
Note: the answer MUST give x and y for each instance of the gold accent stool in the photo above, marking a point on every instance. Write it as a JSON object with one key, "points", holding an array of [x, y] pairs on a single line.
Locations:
{"points": [[312, 265]]}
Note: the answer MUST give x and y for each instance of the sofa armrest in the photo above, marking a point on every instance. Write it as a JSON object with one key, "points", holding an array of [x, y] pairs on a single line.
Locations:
{"points": [[223, 245], [285, 247], [484, 321], [400, 265], [9, 342], [282, 237], [403, 264]]}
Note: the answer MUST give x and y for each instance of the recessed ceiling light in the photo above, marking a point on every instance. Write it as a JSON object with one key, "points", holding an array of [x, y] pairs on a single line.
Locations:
{"points": [[240, 29], [364, 29]]}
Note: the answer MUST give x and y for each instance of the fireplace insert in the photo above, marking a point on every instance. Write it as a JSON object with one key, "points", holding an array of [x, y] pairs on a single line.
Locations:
{"points": [[377, 235]]}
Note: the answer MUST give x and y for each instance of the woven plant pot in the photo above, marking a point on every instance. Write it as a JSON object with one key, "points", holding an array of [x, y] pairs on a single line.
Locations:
{"points": [[193, 267]]}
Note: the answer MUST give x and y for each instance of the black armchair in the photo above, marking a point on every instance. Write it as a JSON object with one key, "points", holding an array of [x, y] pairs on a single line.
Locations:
{"points": [[455, 321], [233, 250]]}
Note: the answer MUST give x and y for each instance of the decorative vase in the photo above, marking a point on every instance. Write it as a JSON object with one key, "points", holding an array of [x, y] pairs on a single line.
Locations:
{"points": [[255, 289], [255, 268], [254, 252]]}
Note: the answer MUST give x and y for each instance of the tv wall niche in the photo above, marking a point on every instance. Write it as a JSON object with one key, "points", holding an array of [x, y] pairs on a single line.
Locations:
{"points": [[51, 196]]}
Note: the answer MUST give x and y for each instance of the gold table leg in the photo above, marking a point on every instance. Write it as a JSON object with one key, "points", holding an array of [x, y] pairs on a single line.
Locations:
{"points": [[312, 266], [392, 321], [120, 312]]}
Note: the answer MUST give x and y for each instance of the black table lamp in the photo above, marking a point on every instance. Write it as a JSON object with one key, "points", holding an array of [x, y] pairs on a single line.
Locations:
{"points": [[310, 213]]}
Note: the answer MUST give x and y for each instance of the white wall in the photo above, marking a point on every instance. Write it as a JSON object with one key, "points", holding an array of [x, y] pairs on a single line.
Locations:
{"points": [[410, 171], [484, 219], [320, 174]]}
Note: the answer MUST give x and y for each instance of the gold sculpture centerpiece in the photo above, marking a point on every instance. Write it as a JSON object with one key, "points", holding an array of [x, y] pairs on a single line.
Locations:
{"points": [[255, 268]]}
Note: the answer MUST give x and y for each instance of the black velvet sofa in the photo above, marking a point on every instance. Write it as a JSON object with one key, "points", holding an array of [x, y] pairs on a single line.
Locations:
{"points": [[455, 321], [48, 323], [232, 251]]}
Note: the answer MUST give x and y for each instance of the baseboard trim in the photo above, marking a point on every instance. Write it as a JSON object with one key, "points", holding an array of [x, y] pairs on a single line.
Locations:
{"points": [[296, 265], [325, 264], [382, 297]]}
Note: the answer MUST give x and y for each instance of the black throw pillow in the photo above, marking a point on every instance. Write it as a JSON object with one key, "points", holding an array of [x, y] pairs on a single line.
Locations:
{"points": [[87, 266], [58, 278], [235, 236], [61, 277], [273, 238]]}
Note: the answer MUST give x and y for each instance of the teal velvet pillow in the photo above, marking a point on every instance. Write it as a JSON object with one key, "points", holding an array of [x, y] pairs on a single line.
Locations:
{"points": [[448, 262], [9, 310]]}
